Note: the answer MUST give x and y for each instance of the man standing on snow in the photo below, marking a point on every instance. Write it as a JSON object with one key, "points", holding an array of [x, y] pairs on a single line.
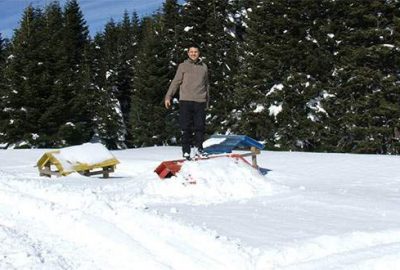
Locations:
{"points": [[192, 80]]}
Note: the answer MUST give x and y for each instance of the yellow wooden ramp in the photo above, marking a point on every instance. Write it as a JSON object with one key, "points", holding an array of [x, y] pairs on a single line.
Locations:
{"points": [[86, 159]]}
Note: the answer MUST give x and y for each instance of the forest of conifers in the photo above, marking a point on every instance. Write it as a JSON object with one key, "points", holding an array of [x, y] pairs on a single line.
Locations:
{"points": [[305, 75]]}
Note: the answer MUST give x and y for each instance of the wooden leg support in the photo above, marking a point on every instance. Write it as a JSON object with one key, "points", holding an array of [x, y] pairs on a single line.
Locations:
{"points": [[106, 172], [47, 167], [254, 153]]}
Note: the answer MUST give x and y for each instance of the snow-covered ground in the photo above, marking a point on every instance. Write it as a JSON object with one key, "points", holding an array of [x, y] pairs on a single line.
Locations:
{"points": [[308, 211]]}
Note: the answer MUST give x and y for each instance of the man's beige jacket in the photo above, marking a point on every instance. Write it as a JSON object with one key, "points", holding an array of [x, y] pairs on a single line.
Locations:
{"points": [[192, 80]]}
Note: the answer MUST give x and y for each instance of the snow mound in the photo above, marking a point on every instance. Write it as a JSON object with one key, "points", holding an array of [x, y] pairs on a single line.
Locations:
{"points": [[87, 153], [216, 180]]}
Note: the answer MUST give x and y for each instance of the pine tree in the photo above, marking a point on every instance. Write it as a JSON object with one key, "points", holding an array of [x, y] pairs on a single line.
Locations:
{"points": [[148, 114], [222, 50], [3, 56], [286, 67], [365, 113], [194, 20], [28, 91], [53, 36], [106, 119], [299, 75], [116, 54], [127, 49], [3, 89], [171, 43], [209, 24], [125, 71], [306, 71], [110, 51], [171, 27], [251, 85], [78, 110]]}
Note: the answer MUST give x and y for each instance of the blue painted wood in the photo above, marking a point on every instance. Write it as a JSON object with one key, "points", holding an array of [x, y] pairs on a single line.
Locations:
{"points": [[232, 142]]}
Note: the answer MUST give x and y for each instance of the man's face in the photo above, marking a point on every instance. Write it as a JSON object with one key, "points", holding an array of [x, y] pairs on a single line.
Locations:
{"points": [[193, 53]]}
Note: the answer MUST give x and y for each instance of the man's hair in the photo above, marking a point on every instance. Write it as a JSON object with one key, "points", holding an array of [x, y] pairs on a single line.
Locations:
{"points": [[193, 46]]}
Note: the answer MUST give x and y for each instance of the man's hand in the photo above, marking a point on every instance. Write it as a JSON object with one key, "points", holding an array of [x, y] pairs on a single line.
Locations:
{"points": [[167, 103]]}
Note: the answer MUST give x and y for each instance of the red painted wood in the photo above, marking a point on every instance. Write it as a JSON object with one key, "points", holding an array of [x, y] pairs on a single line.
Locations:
{"points": [[170, 168]]}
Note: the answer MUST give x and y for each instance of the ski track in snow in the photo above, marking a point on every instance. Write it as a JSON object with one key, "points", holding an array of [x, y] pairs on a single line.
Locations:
{"points": [[311, 211], [329, 251], [139, 238]]}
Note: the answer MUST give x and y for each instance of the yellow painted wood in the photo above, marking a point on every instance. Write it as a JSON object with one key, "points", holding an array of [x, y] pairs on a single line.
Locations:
{"points": [[48, 159]]}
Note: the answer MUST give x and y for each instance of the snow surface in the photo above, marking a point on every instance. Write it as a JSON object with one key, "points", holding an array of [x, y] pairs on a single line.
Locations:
{"points": [[212, 141], [306, 211]]}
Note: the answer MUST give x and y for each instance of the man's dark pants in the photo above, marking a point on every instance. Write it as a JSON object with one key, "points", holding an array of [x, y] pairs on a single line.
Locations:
{"points": [[192, 119]]}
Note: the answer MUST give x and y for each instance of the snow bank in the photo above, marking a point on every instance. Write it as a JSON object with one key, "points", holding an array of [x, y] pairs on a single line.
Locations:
{"points": [[216, 180]]}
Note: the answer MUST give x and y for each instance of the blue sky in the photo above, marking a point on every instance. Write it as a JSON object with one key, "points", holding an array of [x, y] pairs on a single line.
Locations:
{"points": [[96, 12]]}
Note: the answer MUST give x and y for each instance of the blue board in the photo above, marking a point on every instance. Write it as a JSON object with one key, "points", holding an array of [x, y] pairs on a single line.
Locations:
{"points": [[232, 142]]}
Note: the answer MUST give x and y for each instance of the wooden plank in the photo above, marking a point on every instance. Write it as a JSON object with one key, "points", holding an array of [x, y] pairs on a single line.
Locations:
{"points": [[105, 171], [254, 154], [47, 172]]}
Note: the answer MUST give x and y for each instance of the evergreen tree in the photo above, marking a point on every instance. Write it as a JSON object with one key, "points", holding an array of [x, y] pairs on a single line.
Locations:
{"points": [[285, 70], [171, 43], [109, 124], [210, 25], [299, 75], [3, 55], [111, 50], [194, 20], [78, 110], [3, 88], [365, 113], [48, 100], [117, 52], [148, 114], [222, 51], [127, 45], [28, 88], [238, 14], [251, 85], [127, 50], [53, 37], [306, 71], [171, 27]]}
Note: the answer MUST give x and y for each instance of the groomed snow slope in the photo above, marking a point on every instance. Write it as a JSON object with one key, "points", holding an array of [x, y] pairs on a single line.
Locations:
{"points": [[309, 211]]}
